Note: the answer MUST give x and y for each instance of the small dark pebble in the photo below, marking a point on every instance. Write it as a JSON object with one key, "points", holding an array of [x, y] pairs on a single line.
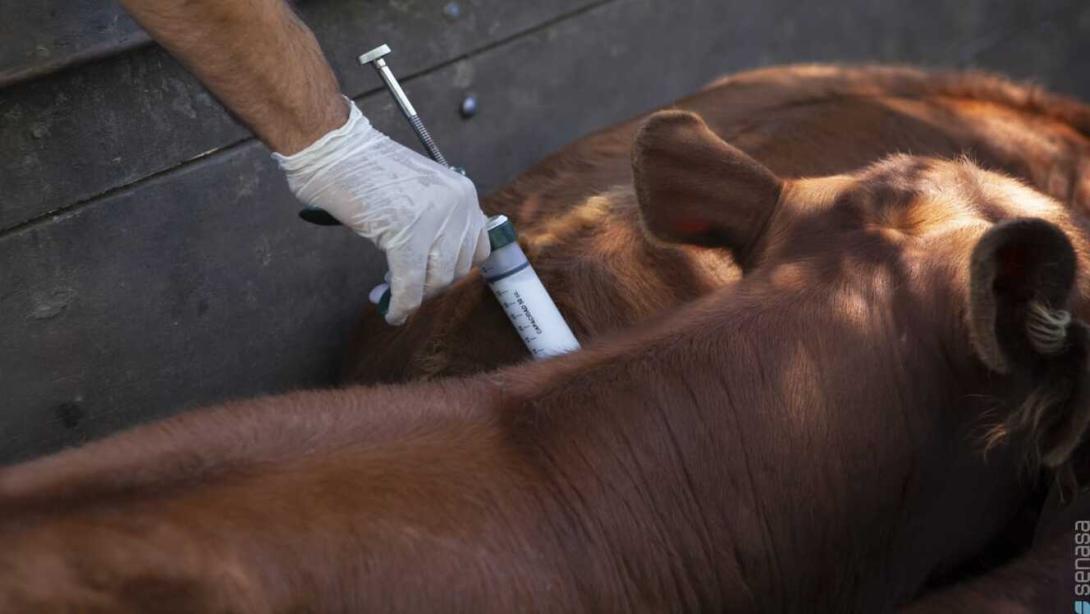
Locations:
{"points": [[70, 414]]}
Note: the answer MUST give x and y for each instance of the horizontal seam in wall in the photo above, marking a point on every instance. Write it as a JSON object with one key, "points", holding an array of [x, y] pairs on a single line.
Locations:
{"points": [[89, 55], [137, 39], [113, 191]]}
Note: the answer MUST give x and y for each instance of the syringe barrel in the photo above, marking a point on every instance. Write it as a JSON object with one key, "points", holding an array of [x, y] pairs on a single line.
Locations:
{"points": [[522, 296]]}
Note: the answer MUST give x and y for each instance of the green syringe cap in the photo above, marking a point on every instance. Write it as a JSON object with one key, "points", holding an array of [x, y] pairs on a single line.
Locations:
{"points": [[501, 231]]}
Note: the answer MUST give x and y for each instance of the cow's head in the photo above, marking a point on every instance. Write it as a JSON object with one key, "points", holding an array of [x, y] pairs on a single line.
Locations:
{"points": [[987, 265]]}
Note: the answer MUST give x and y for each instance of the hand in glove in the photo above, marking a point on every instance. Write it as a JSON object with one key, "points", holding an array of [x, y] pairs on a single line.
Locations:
{"points": [[424, 216]]}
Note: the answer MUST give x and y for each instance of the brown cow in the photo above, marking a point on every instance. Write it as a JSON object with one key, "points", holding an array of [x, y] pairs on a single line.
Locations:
{"points": [[577, 212], [1040, 580], [807, 439], [1035, 583]]}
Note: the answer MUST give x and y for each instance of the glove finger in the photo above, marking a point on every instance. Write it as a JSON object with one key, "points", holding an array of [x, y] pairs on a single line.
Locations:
{"points": [[484, 247], [467, 257], [442, 258], [406, 288]]}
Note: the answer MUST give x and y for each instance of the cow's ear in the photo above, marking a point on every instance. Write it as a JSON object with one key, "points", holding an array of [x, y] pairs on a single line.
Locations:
{"points": [[693, 187], [1022, 274], [1021, 280]]}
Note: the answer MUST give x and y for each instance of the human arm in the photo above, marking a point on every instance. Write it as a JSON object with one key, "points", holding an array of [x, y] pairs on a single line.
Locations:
{"points": [[258, 58], [265, 65]]}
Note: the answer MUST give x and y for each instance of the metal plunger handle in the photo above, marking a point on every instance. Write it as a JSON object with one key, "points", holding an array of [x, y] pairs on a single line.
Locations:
{"points": [[374, 57]]}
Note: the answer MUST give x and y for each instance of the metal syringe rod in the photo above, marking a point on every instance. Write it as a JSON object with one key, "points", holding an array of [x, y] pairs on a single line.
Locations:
{"points": [[374, 57]]}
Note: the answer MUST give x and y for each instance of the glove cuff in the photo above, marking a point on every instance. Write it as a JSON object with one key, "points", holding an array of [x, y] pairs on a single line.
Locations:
{"points": [[329, 144]]}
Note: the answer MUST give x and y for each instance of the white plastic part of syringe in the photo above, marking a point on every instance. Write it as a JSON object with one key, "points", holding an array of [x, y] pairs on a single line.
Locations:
{"points": [[376, 293], [534, 314]]}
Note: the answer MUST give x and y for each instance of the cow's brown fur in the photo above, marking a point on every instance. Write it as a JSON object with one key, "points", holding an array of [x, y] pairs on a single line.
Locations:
{"points": [[802, 440], [577, 212], [1041, 580], [1031, 584]]}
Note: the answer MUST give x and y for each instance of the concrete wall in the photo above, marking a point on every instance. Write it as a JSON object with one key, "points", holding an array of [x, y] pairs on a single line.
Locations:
{"points": [[150, 255]]}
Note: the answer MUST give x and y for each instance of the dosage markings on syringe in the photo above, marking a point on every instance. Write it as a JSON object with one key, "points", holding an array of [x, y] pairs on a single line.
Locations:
{"points": [[521, 311], [520, 294]]}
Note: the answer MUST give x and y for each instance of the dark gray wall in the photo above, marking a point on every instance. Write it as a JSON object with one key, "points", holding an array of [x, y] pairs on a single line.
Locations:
{"points": [[150, 257]]}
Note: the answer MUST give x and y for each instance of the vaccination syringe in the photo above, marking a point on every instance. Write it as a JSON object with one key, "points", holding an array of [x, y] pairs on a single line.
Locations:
{"points": [[519, 291], [522, 296], [507, 271]]}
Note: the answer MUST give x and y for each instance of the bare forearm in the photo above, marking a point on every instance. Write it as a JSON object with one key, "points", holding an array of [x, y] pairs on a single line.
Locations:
{"points": [[258, 58]]}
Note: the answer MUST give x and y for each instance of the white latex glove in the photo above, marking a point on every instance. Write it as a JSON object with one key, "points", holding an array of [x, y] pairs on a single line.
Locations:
{"points": [[424, 216]]}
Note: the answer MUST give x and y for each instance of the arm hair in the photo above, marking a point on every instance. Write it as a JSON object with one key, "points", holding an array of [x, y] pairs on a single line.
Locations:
{"points": [[258, 58]]}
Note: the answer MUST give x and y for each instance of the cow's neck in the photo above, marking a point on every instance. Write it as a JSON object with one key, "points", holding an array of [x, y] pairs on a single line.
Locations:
{"points": [[738, 459], [747, 456]]}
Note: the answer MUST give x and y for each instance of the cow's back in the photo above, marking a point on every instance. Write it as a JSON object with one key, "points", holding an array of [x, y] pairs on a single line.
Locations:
{"points": [[579, 224]]}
